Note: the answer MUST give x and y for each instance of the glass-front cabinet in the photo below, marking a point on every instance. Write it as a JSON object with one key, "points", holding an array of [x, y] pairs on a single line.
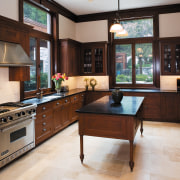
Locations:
{"points": [[170, 58], [94, 58]]}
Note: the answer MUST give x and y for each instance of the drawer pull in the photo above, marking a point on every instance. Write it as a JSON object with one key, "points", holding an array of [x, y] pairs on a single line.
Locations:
{"points": [[44, 116], [44, 123], [66, 101], [44, 129], [44, 108], [57, 103]]}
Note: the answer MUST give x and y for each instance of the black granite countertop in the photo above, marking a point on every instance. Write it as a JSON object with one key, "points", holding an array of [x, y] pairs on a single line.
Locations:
{"points": [[129, 106], [53, 97]]}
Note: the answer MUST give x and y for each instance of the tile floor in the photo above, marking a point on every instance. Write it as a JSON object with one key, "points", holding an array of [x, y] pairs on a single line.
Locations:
{"points": [[156, 156]]}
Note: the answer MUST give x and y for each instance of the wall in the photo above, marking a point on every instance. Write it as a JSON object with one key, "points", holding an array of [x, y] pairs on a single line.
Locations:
{"points": [[169, 26], [67, 28], [9, 91], [92, 31]]}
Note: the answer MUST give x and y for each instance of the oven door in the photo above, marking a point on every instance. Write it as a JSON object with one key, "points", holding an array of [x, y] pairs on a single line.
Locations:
{"points": [[16, 137]]}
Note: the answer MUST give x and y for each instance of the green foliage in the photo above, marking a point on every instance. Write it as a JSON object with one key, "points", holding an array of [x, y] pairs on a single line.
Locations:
{"points": [[138, 28], [144, 77], [123, 78], [35, 13], [44, 80]]}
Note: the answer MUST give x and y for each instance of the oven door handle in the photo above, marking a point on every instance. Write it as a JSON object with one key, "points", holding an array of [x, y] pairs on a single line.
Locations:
{"points": [[17, 124]]}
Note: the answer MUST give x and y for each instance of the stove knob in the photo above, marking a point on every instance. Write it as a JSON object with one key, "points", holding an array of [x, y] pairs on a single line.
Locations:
{"points": [[33, 110], [18, 114], [10, 118], [3, 120], [23, 113], [29, 111]]}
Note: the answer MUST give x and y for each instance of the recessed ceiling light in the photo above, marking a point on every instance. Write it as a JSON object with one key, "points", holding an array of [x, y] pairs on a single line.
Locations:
{"points": [[90, 0]]}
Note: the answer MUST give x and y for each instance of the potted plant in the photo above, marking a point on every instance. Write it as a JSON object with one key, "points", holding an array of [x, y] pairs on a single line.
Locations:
{"points": [[58, 78]]}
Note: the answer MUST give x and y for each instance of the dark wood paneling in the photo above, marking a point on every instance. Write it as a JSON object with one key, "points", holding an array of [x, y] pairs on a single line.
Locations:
{"points": [[125, 14]]}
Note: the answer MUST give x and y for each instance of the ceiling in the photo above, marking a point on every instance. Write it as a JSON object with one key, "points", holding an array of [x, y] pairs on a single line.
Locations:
{"points": [[82, 7]]}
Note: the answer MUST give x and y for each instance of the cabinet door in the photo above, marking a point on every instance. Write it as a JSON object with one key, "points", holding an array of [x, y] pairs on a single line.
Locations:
{"points": [[167, 59], [170, 57], [94, 58], [66, 112], [57, 115], [69, 57], [169, 107], [177, 58]]}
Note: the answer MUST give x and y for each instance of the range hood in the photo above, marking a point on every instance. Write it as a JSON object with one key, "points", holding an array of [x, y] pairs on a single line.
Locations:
{"points": [[12, 54]]}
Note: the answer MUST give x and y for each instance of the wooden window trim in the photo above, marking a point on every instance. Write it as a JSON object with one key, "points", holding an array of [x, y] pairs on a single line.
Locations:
{"points": [[156, 59], [53, 38]]}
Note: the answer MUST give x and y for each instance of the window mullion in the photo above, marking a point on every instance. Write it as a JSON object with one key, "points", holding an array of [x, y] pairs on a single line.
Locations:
{"points": [[38, 63], [133, 65]]}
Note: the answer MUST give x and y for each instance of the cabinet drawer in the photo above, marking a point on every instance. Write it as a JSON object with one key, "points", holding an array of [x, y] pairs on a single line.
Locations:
{"points": [[44, 107], [66, 101], [44, 115], [74, 98], [43, 130], [57, 103]]}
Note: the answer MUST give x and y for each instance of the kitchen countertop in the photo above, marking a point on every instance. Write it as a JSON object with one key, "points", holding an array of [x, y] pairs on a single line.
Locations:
{"points": [[105, 105], [53, 97]]}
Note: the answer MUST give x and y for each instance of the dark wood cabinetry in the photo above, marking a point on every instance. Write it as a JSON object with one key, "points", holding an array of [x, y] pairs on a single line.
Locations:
{"points": [[56, 115], [70, 54], [43, 123], [170, 107], [151, 105], [170, 57], [94, 58], [91, 96]]}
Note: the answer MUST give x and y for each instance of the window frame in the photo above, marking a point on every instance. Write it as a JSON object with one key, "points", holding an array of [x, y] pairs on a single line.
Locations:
{"points": [[133, 41], [52, 38]]}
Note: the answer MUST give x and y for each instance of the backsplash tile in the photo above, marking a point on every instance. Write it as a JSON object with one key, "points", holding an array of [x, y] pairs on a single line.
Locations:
{"points": [[168, 82], [9, 90]]}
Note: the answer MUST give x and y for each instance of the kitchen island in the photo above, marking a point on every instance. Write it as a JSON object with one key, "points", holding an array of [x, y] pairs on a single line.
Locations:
{"points": [[103, 118]]}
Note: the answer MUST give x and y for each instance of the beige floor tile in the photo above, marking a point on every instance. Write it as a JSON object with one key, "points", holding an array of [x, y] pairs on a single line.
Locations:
{"points": [[156, 156]]}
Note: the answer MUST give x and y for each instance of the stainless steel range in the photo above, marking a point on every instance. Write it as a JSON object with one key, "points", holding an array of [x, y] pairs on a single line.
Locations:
{"points": [[17, 134]]}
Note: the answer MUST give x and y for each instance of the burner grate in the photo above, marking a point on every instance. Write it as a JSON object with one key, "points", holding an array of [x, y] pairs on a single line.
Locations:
{"points": [[15, 104], [3, 110]]}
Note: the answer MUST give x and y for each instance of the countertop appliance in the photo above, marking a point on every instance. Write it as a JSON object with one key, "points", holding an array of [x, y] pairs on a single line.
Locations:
{"points": [[17, 132]]}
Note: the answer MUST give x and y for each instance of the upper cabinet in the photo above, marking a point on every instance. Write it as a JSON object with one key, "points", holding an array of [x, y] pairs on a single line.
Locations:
{"points": [[170, 57], [70, 54], [94, 58]]}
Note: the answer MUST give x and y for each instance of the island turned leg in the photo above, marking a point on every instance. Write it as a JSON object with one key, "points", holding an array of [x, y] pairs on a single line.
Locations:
{"points": [[131, 162], [81, 148], [141, 129]]}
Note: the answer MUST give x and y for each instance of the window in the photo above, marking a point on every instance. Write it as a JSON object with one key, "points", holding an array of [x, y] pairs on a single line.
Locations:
{"points": [[133, 55], [39, 19], [40, 49]]}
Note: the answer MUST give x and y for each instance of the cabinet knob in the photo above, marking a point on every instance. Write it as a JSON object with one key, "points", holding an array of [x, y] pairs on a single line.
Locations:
{"points": [[57, 103], [82, 95], [74, 98], [44, 116], [44, 108], [66, 101], [44, 129], [44, 123]]}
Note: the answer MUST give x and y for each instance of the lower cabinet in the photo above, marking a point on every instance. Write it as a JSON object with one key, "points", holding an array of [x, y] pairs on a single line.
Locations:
{"points": [[56, 115], [43, 122], [170, 107]]}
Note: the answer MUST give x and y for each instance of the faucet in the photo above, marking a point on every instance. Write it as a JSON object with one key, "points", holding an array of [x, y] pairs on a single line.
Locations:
{"points": [[39, 95]]}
